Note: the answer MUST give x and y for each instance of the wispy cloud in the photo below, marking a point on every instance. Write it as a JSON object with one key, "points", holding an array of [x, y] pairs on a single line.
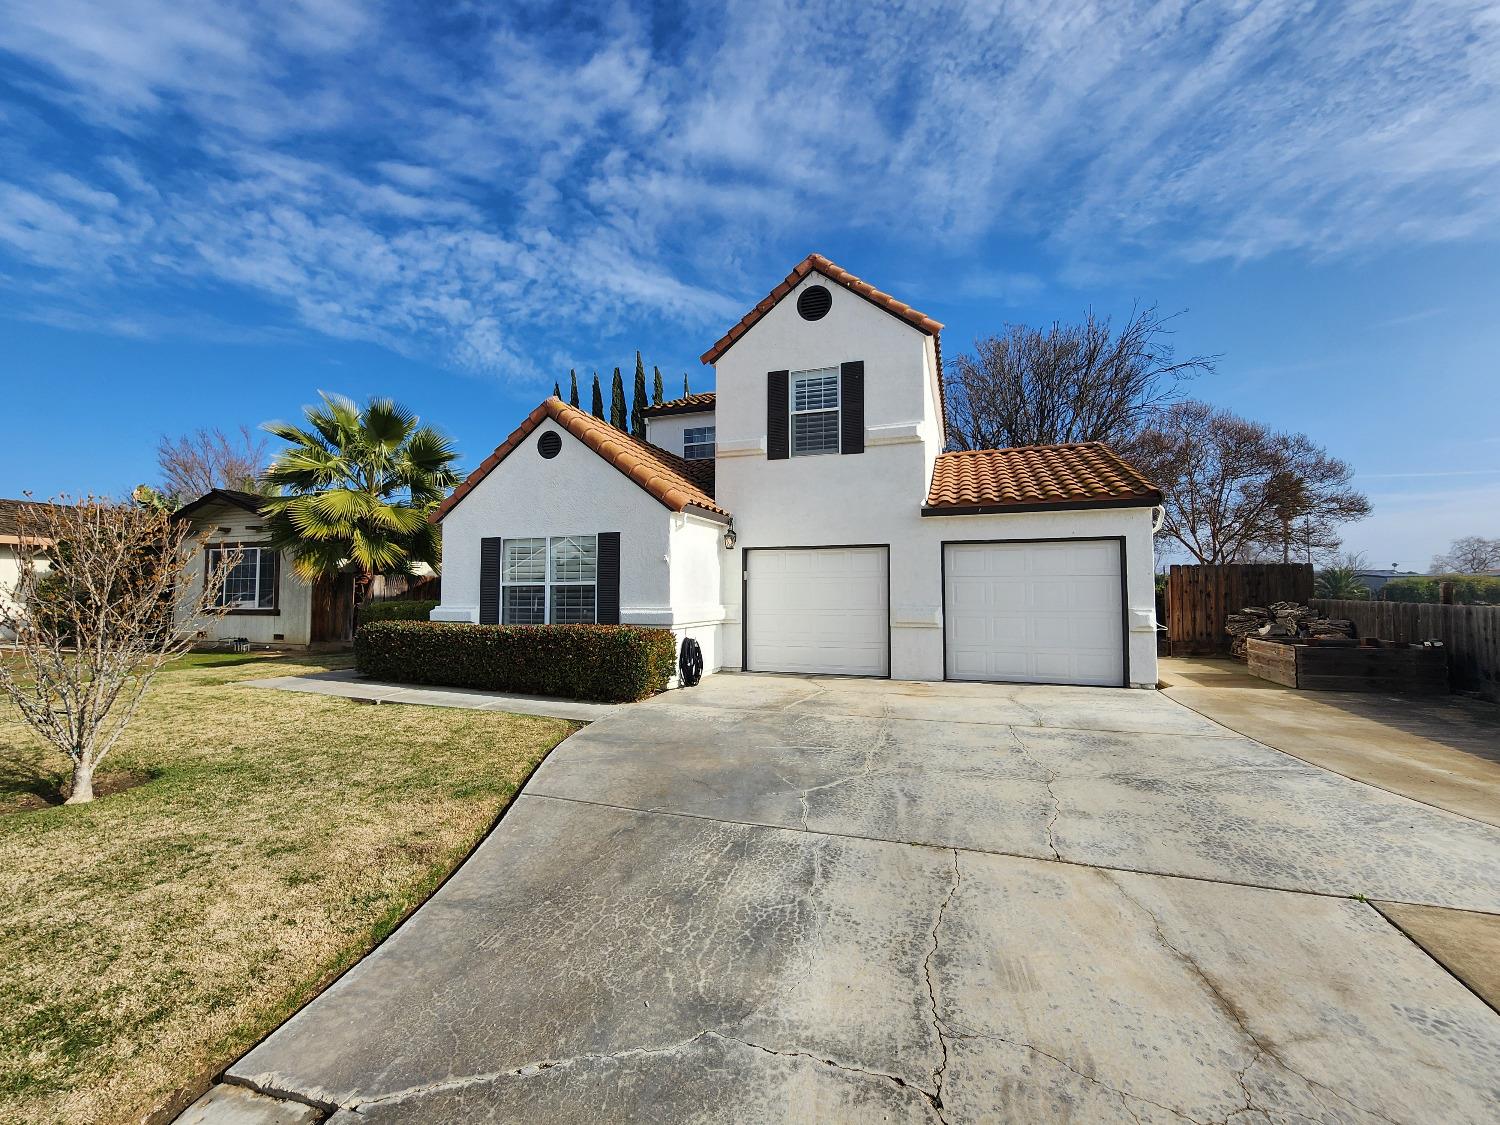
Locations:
{"points": [[492, 185]]}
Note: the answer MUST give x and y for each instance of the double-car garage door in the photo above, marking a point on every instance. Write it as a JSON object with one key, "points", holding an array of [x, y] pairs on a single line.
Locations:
{"points": [[1030, 612]]}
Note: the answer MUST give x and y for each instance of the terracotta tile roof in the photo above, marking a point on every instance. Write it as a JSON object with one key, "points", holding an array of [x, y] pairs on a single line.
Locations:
{"points": [[688, 404], [840, 276], [664, 475], [1086, 474]]}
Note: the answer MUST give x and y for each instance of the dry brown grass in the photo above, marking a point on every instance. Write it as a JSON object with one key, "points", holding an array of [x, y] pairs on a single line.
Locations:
{"points": [[153, 936]]}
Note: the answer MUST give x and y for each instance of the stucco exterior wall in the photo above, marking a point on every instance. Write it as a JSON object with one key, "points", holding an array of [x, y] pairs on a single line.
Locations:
{"points": [[668, 433], [698, 558], [10, 572], [576, 492], [876, 497], [291, 624]]}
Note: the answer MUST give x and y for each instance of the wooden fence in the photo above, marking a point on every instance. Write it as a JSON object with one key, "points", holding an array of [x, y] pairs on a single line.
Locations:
{"points": [[400, 588], [1199, 598], [1471, 633]]}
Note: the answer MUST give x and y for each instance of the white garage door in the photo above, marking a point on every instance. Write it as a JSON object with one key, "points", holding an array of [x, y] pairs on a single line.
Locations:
{"points": [[1046, 613], [822, 610]]}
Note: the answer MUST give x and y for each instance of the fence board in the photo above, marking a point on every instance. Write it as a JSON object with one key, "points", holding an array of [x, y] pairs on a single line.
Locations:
{"points": [[1471, 634], [1199, 598]]}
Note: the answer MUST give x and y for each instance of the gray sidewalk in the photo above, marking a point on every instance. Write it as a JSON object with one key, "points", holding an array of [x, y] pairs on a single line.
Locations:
{"points": [[346, 683]]}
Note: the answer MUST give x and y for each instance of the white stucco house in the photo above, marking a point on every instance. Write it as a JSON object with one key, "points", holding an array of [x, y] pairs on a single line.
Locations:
{"points": [[805, 517], [10, 556]]}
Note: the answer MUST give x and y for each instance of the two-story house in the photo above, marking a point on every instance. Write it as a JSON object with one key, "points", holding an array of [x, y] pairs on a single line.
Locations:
{"points": [[805, 517]]}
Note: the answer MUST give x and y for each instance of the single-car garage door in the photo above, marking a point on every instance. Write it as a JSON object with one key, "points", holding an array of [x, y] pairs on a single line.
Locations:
{"points": [[1045, 612], [818, 610]]}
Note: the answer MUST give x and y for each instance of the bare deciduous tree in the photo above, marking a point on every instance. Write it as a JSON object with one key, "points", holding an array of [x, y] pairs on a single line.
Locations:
{"points": [[1472, 554], [1237, 490], [207, 459], [104, 599], [1070, 382]]}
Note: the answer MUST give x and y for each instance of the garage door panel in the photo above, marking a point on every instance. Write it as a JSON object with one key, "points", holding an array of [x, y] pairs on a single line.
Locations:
{"points": [[1034, 612], [817, 610]]}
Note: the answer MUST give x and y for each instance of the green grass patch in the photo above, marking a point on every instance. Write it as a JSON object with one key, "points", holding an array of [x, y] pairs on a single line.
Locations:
{"points": [[268, 841]]}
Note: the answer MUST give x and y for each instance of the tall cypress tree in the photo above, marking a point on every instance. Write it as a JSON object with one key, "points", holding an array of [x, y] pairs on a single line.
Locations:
{"points": [[655, 385], [638, 400], [556, 390], [598, 409], [619, 417], [572, 387], [685, 391]]}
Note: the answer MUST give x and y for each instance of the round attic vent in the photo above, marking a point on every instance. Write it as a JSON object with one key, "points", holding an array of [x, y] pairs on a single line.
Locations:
{"points": [[814, 302], [549, 445]]}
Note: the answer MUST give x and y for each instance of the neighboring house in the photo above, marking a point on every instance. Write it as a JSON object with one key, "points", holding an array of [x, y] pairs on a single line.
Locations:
{"points": [[829, 532], [10, 559], [271, 604], [1373, 580]]}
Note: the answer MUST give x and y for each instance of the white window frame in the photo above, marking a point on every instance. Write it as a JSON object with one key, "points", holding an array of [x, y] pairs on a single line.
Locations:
{"points": [[688, 444], [837, 410], [245, 552], [550, 579]]}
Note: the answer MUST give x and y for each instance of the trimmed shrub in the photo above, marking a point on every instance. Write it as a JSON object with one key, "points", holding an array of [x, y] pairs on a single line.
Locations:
{"points": [[1468, 589], [606, 663], [395, 611]]}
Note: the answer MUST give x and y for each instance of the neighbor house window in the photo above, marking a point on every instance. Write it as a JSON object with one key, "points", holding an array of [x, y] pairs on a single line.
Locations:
{"points": [[698, 443], [549, 580], [815, 412], [250, 583]]}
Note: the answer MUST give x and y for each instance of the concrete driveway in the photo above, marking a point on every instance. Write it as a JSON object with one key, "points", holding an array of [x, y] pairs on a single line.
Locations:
{"points": [[795, 899]]}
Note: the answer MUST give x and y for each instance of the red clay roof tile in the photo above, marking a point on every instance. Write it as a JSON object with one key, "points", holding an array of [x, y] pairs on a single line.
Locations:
{"points": [[664, 475], [1085, 473]]}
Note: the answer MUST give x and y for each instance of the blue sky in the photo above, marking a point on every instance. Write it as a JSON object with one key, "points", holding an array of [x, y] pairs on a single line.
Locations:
{"points": [[210, 212]]}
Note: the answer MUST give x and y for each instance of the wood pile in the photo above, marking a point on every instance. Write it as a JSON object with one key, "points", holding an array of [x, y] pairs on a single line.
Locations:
{"points": [[1283, 619]]}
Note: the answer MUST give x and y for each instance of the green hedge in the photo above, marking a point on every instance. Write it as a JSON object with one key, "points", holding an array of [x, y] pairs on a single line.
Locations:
{"points": [[395, 611], [1468, 589], [607, 663]]}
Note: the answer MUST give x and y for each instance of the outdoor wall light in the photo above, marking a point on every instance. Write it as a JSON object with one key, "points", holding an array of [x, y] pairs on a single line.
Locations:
{"points": [[730, 538]]}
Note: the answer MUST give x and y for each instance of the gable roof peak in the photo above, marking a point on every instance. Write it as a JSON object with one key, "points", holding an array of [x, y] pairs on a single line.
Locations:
{"points": [[664, 475], [820, 264]]}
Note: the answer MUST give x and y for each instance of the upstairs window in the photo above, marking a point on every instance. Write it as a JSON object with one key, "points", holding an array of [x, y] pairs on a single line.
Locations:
{"points": [[549, 581], [814, 402], [698, 443]]}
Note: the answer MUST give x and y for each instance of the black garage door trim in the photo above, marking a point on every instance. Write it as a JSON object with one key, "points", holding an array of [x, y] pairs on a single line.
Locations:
{"points": [[745, 604], [1124, 586]]}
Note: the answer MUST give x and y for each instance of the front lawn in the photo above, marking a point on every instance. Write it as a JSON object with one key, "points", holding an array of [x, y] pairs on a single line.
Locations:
{"points": [[268, 840]]}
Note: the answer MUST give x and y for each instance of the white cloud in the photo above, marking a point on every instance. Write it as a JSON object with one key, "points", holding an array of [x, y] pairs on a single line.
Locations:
{"points": [[499, 186]]}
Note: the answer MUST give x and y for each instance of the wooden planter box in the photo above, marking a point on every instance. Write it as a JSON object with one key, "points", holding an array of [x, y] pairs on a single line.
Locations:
{"points": [[1349, 667]]}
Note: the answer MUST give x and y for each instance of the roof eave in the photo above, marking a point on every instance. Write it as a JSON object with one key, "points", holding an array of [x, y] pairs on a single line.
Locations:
{"points": [[1149, 500]]}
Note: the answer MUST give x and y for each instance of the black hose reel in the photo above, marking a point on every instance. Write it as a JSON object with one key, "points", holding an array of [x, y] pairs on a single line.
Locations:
{"points": [[690, 663]]}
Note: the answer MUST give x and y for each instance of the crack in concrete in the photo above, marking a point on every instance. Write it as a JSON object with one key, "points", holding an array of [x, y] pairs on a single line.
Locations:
{"points": [[1125, 1096], [1052, 776], [540, 1066], [1264, 1048], [937, 1020]]}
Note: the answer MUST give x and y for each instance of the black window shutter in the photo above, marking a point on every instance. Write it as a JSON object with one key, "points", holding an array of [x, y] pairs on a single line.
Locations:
{"points": [[489, 581], [852, 407], [607, 584], [776, 416]]}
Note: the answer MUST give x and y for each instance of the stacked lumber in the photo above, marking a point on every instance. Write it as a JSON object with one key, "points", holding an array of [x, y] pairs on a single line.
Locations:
{"points": [[1282, 619]]}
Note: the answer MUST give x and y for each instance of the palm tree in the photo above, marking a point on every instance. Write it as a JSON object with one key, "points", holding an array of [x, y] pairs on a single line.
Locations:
{"points": [[1341, 584], [356, 488]]}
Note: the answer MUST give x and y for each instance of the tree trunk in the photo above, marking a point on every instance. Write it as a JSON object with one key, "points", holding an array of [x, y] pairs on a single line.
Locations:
{"points": [[83, 784]]}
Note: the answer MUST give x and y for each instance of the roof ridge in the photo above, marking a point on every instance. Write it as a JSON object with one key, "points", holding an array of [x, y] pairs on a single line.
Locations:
{"points": [[1032, 445]]}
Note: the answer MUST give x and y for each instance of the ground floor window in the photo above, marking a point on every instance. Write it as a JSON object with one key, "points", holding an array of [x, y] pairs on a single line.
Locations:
{"points": [[549, 580], [251, 581]]}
